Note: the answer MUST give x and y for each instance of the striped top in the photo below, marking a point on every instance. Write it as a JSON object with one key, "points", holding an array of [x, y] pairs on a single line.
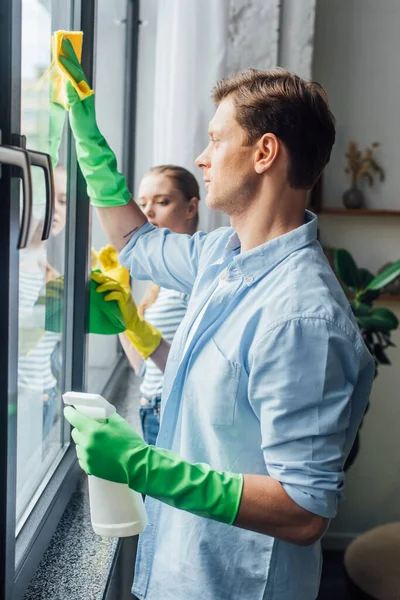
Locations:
{"points": [[166, 313], [35, 345]]}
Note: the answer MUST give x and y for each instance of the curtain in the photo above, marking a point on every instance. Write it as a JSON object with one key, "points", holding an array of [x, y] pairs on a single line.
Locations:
{"points": [[190, 57]]}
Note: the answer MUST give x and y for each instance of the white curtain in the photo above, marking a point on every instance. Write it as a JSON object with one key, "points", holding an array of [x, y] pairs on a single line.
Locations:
{"points": [[191, 44]]}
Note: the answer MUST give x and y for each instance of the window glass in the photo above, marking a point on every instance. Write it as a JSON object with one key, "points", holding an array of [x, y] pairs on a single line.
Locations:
{"points": [[41, 267], [104, 350]]}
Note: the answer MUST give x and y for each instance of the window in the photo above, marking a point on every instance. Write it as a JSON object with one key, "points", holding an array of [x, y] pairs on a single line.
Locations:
{"points": [[104, 351], [44, 341], [40, 439]]}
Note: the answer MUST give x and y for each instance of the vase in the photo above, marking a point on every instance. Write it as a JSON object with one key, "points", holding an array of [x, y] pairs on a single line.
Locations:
{"points": [[353, 198]]}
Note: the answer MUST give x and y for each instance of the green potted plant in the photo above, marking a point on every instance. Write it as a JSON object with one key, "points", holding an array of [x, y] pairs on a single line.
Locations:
{"points": [[376, 323], [360, 165]]}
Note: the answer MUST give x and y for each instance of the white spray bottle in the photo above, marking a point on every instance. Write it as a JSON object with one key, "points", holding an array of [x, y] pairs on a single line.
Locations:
{"points": [[115, 509]]}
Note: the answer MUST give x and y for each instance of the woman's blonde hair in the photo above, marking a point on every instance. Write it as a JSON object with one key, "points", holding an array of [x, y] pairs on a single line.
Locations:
{"points": [[186, 183]]}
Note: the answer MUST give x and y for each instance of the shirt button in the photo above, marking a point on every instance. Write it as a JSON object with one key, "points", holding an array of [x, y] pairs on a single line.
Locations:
{"points": [[165, 435], [223, 275], [250, 279]]}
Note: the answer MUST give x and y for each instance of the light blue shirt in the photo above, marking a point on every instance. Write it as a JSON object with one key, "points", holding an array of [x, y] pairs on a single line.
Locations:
{"points": [[274, 381]]}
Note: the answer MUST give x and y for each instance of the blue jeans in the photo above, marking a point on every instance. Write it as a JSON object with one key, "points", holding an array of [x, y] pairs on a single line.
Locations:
{"points": [[150, 418]]}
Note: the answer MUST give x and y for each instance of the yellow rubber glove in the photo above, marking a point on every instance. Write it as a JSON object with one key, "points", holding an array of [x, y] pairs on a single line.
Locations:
{"points": [[143, 336], [110, 266]]}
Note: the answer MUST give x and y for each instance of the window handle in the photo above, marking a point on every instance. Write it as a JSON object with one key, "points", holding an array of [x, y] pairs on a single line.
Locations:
{"points": [[18, 157], [43, 160]]}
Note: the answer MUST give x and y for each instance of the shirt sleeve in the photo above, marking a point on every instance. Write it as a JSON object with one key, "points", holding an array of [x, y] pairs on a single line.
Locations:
{"points": [[169, 259], [301, 382]]}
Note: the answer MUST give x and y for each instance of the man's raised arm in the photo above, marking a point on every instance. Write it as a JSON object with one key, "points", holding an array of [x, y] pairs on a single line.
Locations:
{"points": [[168, 259], [119, 215]]}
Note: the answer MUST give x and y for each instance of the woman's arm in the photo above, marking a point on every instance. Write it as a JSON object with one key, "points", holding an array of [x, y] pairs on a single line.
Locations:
{"points": [[159, 356], [132, 355]]}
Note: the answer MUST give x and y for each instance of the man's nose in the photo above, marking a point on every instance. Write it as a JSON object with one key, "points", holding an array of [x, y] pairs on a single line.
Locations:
{"points": [[202, 160]]}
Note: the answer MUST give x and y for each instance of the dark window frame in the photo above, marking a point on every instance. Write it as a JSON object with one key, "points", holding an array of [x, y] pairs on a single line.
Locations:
{"points": [[37, 531], [19, 557]]}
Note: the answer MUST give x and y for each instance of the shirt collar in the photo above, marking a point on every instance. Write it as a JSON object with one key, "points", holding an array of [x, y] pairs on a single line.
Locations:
{"points": [[256, 262], [232, 244]]}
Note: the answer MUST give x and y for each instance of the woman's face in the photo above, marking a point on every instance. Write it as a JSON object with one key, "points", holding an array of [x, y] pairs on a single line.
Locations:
{"points": [[60, 205], [164, 204]]}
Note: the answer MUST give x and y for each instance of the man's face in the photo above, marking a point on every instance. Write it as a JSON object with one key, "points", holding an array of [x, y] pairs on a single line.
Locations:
{"points": [[228, 164]]}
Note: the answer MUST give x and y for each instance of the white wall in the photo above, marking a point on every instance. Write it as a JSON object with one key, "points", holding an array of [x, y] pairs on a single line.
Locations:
{"points": [[296, 36], [253, 34], [357, 44]]}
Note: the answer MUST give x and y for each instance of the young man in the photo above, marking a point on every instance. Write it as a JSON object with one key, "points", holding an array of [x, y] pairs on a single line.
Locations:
{"points": [[267, 378]]}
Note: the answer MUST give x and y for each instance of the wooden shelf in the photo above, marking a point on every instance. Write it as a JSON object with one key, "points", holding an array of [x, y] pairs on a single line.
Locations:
{"points": [[383, 298], [359, 212], [388, 298]]}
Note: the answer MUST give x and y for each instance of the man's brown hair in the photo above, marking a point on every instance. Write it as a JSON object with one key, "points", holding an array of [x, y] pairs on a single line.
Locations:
{"points": [[293, 109]]}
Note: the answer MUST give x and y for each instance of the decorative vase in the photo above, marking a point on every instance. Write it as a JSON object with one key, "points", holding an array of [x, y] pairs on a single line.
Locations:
{"points": [[353, 198]]}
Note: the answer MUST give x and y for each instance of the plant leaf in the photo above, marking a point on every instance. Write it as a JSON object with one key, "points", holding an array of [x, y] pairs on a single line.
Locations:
{"points": [[380, 319], [368, 296], [346, 268], [360, 309], [384, 278], [365, 277]]}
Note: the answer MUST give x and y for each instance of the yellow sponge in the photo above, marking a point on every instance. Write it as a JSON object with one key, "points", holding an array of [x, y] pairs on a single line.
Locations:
{"points": [[59, 75]]}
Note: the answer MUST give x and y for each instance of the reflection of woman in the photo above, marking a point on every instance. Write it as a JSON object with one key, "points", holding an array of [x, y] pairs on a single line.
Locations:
{"points": [[36, 357], [169, 197]]}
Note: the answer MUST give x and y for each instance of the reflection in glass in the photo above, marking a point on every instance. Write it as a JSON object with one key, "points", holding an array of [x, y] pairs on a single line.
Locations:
{"points": [[39, 422], [104, 350]]}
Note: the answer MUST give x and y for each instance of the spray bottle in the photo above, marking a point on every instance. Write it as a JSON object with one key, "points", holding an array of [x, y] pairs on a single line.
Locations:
{"points": [[115, 509]]}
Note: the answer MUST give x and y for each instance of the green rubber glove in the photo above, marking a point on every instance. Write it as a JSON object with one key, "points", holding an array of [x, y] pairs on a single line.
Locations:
{"points": [[143, 336], [112, 450], [106, 187], [105, 318]]}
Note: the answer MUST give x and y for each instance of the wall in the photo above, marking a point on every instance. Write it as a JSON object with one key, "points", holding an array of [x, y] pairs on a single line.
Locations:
{"points": [[357, 43], [356, 57], [253, 33]]}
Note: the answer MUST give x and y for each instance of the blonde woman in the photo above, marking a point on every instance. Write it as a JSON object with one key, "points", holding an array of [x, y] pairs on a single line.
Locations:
{"points": [[169, 197]]}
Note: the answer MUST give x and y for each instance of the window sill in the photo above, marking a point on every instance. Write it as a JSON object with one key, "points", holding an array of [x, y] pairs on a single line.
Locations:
{"points": [[77, 561]]}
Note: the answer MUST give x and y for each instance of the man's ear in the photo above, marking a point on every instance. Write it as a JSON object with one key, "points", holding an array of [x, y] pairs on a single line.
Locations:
{"points": [[267, 150]]}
